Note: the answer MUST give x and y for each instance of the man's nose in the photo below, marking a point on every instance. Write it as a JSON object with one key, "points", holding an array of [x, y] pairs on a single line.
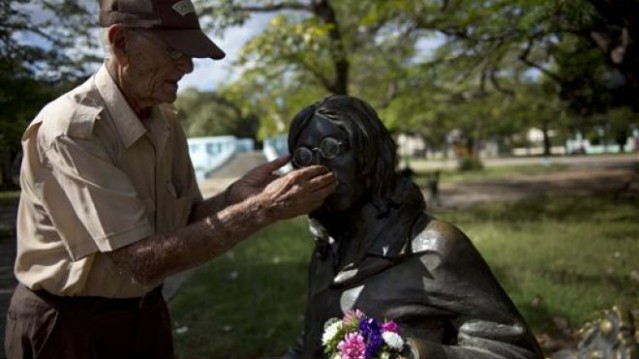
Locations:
{"points": [[185, 64]]}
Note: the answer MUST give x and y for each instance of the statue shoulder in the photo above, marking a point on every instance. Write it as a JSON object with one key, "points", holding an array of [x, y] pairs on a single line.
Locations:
{"points": [[437, 235]]}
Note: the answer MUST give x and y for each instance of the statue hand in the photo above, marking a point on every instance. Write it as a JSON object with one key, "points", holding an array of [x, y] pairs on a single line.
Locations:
{"points": [[416, 348]]}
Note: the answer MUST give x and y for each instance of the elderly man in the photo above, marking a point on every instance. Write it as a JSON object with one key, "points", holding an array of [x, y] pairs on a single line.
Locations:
{"points": [[110, 206]]}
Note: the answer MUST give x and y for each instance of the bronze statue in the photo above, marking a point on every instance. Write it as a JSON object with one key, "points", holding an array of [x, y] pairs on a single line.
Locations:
{"points": [[377, 250], [614, 335]]}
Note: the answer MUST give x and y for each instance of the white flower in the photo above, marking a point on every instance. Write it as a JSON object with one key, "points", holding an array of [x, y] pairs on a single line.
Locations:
{"points": [[331, 331], [393, 340]]}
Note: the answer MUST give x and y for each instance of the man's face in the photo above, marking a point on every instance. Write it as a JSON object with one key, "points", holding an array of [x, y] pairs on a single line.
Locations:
{"points": [[324, 139], [154, 69]]}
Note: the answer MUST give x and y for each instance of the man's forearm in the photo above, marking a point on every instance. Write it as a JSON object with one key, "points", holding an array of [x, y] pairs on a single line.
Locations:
{"points": [[211, 205], [159, 256]]}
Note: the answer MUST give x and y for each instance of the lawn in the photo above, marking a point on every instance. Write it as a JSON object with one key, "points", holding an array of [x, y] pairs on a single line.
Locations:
{"points": [[557, 258]]}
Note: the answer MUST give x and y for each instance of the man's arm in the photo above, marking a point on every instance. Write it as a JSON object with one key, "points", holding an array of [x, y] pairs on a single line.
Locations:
{"points": [[252, 183], [159, 256]]}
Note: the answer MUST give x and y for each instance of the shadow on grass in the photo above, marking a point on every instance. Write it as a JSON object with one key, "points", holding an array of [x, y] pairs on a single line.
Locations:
{"points": [[540, 316], [599, 208], [227, 304]]}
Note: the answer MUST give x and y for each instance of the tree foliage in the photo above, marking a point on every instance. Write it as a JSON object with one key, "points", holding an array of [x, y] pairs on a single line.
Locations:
{"points": [[215, 114], [42, 38], [500, 66], [37, 62]]}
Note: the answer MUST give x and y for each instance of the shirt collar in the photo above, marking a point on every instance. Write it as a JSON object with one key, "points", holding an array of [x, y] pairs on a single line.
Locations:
{"points": [[128, 125]]}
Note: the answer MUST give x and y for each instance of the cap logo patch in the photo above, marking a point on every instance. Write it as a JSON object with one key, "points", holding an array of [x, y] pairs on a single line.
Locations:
{"points": [[183, 7]]}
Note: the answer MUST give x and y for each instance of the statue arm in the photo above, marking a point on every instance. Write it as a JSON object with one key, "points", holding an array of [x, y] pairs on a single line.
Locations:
{"points": [[481, 348], [480, 319]]}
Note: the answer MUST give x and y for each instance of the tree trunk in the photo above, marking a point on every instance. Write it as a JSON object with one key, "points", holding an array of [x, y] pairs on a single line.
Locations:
{"points": [[325, 11], [544, 130]]}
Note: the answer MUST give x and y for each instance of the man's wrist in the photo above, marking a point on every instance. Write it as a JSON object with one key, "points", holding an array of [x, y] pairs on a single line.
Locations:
{"points": [[228, 199]]}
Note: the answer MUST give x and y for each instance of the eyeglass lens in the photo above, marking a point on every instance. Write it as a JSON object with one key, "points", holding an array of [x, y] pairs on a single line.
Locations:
{"points": [[329, 148]]}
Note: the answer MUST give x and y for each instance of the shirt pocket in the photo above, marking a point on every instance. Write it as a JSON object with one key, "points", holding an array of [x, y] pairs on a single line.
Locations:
{"points": [[178, 209]]}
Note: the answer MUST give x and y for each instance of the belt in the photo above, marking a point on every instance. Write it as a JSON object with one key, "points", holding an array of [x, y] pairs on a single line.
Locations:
{"points": [[92, 303]]}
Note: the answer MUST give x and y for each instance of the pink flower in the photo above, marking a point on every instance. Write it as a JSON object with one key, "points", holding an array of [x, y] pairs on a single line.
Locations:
{"points": [[352, 318], [390, 326], [352, 347]]}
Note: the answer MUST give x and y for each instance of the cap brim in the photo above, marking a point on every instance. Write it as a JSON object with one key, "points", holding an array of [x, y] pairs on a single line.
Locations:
{"points": [[192, 42]]}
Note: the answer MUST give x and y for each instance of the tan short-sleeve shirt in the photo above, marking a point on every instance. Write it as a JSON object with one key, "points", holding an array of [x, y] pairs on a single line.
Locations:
{"points": [[95, 178]]}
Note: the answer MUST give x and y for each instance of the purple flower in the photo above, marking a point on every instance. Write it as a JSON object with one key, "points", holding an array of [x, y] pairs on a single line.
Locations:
{"points": [[352, 347], [390, 326], [372, 333]]}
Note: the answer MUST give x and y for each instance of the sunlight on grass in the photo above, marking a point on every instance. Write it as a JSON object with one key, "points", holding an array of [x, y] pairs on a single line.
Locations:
{"points": [[565, 257], [576, 255]]}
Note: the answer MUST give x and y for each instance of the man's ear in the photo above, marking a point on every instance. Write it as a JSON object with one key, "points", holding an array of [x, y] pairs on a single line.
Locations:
{"points": [[118, 38]]}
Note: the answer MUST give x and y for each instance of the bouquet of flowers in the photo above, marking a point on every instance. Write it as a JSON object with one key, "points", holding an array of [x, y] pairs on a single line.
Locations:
{"points": [[357, 336]]}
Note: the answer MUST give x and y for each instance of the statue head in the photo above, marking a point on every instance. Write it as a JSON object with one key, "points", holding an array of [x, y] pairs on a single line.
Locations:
{"points": [[345, 134]]}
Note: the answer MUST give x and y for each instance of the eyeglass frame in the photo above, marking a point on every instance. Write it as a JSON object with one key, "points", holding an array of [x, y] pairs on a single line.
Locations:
{"points": [[340, 144], [174, 55]]}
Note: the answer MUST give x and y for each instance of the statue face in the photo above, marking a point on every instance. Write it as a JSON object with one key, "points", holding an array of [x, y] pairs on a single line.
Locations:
{"points": [[323, 143]]}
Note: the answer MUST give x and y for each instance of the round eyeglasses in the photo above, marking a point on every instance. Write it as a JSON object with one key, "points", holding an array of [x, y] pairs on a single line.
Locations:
{"points": [[329, 148]]}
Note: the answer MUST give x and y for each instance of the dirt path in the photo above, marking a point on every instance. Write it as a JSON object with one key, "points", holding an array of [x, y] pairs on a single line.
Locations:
{"points": [[573, 181]]}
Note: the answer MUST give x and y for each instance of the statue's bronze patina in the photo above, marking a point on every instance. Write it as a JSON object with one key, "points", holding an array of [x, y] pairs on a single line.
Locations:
{"points": [[378, 250], [614, 335]]}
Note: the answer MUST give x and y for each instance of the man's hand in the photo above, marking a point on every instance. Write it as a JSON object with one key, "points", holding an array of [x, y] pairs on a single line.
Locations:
{"points": [[254, 181], [298, 192]]}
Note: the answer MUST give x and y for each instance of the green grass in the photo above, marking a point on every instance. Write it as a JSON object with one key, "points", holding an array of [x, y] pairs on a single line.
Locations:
{"points": [[576, 254], [9, 198], [248, 303]]}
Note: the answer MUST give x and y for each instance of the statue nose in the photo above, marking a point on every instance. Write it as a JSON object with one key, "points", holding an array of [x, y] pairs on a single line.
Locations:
{"points": [[318, 159]]}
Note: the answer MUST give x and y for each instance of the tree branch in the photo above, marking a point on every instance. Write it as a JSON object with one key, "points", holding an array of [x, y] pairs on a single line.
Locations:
{"points": [[524, 58], [498, 87], [320, 77], [274, 7]]}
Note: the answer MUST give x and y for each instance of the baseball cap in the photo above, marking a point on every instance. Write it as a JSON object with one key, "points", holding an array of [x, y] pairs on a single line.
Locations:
{"points": [[174, 21]]}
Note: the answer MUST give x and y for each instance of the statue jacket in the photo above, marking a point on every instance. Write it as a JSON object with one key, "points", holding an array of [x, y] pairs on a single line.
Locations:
{"points": [[424, 274]]}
